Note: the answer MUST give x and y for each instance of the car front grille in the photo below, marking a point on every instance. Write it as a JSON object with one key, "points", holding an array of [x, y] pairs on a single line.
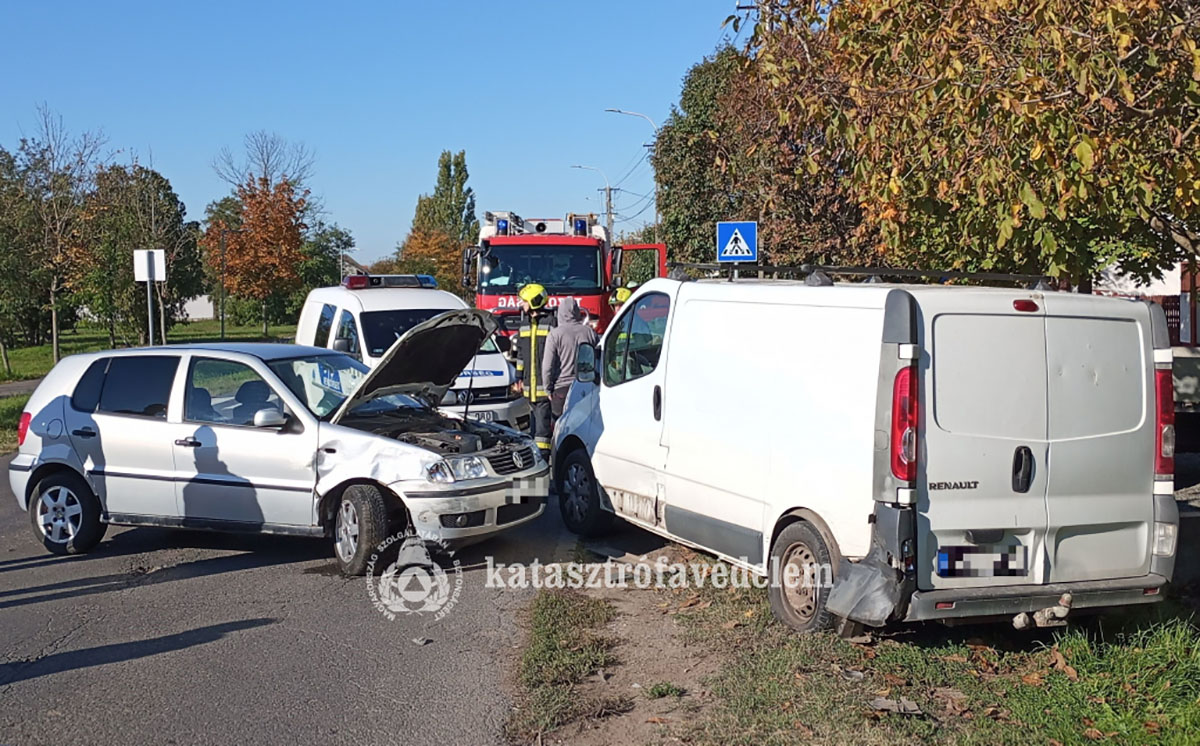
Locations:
{"points": [[503, 463]]}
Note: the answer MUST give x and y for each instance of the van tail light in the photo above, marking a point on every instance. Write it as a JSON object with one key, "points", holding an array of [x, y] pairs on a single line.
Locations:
{"points": [[1164, 425], [23, 427], [905, 413]]}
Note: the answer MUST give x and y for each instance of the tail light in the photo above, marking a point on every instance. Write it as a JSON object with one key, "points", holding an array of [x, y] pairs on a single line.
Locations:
{"points": [[23, 427], [1164, 425], [904, 425]]}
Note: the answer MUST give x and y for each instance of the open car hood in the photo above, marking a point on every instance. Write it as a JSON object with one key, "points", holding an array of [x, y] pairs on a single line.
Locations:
{"points": [[426, 360]]}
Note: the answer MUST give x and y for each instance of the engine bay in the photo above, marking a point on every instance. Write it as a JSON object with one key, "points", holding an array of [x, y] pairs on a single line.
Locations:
{"points": [[433, 431]]}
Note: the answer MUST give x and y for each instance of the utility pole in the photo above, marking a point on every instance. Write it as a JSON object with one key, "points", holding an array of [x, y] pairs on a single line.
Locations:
{"points": [[608, 208]]}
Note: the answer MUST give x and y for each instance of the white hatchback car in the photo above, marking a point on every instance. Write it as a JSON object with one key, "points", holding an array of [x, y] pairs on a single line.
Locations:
{"points": [[275, 439]]}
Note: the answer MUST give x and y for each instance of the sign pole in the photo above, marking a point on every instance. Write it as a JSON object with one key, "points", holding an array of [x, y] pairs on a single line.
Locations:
{"points": [[150, 296]]}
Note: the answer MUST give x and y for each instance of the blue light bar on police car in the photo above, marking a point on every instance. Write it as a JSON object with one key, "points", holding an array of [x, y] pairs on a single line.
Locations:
{"points": [[502, 227]]}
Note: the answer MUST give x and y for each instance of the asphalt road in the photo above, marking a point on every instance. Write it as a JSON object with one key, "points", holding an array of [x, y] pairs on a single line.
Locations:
{"points": [[180, 637]]}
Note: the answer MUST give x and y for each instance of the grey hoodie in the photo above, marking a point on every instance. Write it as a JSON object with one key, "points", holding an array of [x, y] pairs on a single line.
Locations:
{"points": [[558, 361]]}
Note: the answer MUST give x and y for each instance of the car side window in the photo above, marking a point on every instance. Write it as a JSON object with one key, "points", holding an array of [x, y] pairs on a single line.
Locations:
{"points": [[636, 343], [324, 325], [87, 391], [138, 385], [224, 392], [348, 330]]}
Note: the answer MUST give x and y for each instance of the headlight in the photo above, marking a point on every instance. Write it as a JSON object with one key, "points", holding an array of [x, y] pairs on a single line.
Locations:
{"points": [[449, 398], [467, 467], [439, 472]]}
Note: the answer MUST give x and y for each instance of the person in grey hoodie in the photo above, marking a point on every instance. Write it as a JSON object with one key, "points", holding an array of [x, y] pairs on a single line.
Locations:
{"points": [[558, 360]]}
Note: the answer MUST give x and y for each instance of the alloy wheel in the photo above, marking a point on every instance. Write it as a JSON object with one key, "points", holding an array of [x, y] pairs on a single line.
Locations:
{"points": [[60, 514], [346, 531]]}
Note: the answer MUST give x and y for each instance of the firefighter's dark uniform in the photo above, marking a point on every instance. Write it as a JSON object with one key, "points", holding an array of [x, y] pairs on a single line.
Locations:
{"points": [[531, 345]]}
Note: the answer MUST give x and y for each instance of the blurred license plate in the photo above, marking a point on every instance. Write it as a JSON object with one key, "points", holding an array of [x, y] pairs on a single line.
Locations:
{"points": [[485, 416]]}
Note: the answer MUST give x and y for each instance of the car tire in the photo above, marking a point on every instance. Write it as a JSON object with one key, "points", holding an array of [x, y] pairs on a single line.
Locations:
{"points": [[360, 525], [65, 514], [802, 606], [579, 496]]}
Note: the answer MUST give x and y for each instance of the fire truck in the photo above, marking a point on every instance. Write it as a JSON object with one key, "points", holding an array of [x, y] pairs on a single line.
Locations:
{"points": [[570, 257]]}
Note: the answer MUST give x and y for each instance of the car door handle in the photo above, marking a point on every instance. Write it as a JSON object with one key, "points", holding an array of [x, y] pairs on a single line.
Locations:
{"points": [[1022, 474], [657, 402], [188, 442], [84, 432]]}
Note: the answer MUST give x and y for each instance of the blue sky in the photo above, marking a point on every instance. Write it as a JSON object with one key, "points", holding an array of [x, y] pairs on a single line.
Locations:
{"points": [[378, 90]]}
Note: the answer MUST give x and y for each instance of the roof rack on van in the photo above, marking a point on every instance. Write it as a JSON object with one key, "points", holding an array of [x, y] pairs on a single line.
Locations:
{"points": [[819, 274], [362, 282]]}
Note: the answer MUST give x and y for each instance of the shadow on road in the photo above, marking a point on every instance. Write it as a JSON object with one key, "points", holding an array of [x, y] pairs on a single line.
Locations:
{"points": [[255, 552], [73, 660]]}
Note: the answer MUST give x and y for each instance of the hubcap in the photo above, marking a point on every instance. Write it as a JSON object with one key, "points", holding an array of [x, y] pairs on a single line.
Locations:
{"points": [[346, 532], [59, 514], [802, 593], [578, 492]]}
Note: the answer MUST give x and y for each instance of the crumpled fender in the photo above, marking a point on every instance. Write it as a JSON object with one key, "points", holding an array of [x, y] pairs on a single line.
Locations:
{"points": [[379, 459]]}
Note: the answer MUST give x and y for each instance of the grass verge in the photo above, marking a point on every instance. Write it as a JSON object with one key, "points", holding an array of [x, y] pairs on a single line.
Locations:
{"points": [[35, 362], [1128, 679], [565, 647], [10, 411]]}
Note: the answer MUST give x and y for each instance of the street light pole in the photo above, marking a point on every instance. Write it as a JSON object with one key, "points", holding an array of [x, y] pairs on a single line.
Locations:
{"points": [[608, 208], [655, 127]]}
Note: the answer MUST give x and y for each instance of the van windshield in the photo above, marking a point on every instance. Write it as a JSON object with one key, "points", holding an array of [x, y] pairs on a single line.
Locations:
{"points": [[381, 329]]}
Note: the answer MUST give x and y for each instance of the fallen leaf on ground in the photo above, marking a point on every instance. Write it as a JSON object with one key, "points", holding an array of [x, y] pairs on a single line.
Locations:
{"points": [[731, 624], [893, 680], [902, 706], [953, 701], [804, 729], [1060, 664], [1032, 679], [1093, 734], [690, 602], [952, 658], [1151, 726], [657, 720]]}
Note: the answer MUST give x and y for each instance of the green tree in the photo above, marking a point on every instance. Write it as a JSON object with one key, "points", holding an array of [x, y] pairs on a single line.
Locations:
{"points": [[22, 288], [1054, 136], [450, 208], [133, 207]]}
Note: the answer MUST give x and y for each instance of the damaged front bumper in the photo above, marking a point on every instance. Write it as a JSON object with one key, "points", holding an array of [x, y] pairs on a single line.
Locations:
{"points": [[461, 515]]}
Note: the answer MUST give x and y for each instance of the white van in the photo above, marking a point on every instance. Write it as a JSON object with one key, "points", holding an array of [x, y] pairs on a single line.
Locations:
{"points": [[945, 452], [367, 313]]}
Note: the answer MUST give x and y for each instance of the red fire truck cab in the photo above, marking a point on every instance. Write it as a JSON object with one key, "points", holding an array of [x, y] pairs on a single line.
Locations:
{"points": [[570, 257]]}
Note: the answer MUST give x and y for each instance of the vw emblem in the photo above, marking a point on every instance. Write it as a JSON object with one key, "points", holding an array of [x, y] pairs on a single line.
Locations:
{"points": [[518, 460], [465, 397]]}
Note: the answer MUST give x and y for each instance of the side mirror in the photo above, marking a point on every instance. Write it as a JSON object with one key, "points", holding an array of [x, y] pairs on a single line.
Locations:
{"points": [[341, 345], [585, 363], [503, 343], [617, 260], [270, 417]]}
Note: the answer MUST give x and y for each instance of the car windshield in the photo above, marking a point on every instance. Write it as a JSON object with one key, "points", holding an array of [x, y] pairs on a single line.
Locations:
{"points": [[560, 269], [323, 382], [381, 329]]}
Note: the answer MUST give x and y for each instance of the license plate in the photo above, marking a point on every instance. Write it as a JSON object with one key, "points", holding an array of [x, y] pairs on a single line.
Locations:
{"points": [[484, 416]]}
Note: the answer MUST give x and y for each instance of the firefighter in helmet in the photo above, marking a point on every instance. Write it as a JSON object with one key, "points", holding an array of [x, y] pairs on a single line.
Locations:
{"points": [[536, 321], [617, 299]]}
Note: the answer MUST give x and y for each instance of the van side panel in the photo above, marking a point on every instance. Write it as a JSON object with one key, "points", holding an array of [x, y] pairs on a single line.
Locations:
{"points": [[767, 412]]}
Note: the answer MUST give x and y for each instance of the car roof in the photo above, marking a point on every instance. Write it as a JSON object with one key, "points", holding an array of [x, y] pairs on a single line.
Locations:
{"points": [[261, 350], [387, 299]]}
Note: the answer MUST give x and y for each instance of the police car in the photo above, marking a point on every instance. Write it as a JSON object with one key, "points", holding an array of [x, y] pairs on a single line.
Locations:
{"points": [[367, 313]]}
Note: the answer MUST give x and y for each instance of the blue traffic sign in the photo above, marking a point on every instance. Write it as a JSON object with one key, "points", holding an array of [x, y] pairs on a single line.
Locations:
{"points": [[737, 242]]}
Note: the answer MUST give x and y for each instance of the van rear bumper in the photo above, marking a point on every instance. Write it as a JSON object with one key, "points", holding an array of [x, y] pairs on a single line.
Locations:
{"points": [[1012, 600]]}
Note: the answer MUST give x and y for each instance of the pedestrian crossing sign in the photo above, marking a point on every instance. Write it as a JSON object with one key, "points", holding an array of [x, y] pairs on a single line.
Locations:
{"points": [[737, 241]]}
